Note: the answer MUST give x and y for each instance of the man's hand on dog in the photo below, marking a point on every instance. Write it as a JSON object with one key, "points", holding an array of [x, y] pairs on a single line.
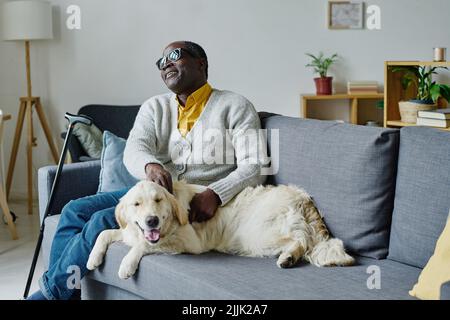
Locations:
{"points": [[203, 206], [159, 175]]}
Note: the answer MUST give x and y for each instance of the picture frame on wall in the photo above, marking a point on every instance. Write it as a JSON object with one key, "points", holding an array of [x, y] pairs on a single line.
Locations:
{"points": [[345, 15]]}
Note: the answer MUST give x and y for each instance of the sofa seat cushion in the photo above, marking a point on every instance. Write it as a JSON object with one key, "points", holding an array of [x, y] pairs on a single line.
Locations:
{"points": [[349, 171], [422, 196], [220, 276]]}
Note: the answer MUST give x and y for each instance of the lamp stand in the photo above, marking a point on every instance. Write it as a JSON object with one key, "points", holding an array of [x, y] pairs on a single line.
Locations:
{"points": [[26, 112]]}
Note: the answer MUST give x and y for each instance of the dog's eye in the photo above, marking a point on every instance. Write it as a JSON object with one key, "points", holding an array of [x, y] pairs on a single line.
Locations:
{"points": [[157, 200], [136, 204]]}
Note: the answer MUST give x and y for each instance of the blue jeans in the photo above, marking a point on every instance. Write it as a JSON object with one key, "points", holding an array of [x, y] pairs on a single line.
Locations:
{"points": [[81, 222]]}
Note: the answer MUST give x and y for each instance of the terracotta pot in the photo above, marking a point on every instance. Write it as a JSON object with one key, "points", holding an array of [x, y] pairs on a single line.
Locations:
{"points": [[409, 109], [324, 85]]}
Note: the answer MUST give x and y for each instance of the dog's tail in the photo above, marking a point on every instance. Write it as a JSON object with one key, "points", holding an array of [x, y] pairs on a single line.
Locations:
{"points": [[329, 253], [304, 205], [326, 251], [315, 220]]}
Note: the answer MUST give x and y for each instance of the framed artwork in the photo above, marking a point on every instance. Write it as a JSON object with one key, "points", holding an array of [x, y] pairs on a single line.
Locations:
{"points": [[345, 15]]}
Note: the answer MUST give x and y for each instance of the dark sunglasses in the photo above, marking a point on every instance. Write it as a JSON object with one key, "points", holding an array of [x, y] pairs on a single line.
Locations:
{"points": [[174, 55]]}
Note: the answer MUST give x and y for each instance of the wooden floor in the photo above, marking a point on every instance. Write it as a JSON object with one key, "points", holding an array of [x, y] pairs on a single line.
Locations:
{"points": [[16, 255]]}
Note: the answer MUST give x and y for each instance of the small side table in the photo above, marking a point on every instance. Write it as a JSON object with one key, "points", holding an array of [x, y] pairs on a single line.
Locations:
{"points": [[341, 96]]}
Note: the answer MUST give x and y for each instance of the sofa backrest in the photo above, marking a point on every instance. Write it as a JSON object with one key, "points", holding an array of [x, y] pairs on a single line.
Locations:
{"points": [[422, 196], [116, 119], [349, 171]]}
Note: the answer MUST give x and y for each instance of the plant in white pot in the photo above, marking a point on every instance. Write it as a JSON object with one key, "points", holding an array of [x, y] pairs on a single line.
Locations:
{"points": [[428, 91], [320, 64]]}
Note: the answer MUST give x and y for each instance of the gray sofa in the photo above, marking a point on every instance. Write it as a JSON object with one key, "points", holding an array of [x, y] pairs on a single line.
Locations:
{"points": [[384, 192]]}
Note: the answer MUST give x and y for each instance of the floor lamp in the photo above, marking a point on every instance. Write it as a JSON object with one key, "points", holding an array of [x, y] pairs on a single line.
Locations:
{"points": [[25, 21]]}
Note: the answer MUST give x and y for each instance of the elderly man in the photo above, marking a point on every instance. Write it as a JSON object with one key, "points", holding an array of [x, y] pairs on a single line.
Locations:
{"points": [[170, 139]]}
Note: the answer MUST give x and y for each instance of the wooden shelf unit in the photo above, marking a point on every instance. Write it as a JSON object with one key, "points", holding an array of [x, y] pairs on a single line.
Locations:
{"points": [[393, 123], [354, 98], [393, 91]]}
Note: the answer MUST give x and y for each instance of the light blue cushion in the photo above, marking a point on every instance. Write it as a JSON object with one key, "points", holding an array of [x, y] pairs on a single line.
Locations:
{"points": [[422, 195], [113, 174]]}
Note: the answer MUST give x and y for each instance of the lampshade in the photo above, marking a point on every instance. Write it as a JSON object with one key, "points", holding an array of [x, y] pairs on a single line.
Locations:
{"points": [[27, 20]]}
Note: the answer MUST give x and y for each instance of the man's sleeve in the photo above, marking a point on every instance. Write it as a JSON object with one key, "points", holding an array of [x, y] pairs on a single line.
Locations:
{"points": [[141, 143], [249, 148]]}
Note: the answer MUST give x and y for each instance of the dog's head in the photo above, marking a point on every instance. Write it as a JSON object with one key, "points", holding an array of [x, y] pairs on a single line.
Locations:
{"points": [[151, 208]]}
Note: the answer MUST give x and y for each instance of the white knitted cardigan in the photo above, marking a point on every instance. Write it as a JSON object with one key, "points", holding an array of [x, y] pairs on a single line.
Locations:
{"points": [[223, 150]]}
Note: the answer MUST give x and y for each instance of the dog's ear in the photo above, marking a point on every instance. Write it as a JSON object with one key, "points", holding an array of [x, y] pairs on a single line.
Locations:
{"points": [[178, 211], [120, 215]]}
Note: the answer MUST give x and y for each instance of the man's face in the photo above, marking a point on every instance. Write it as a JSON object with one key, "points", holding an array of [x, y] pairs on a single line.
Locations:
{"points": [[184, 75]]}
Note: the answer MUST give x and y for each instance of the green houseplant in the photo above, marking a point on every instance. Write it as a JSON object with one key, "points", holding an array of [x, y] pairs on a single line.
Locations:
{"points": [[320, 64], [428, 91]]}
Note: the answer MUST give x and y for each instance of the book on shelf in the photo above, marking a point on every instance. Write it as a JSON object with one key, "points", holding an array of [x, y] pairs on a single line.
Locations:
{"points": [[352, 91], [362, 87], [363, 83], [435, 114], [440, 123]]}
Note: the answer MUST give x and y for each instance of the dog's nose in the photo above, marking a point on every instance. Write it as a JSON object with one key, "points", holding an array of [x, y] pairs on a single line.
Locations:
{"points": [[152, 222]]}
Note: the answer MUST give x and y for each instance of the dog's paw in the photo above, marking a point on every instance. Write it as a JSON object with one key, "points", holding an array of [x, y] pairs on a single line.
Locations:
{"points": [[285, 261], [126, 270], [342, 261], [95, 260]]}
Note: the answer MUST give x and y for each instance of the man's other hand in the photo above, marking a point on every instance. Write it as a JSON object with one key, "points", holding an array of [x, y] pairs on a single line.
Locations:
{"points": [[203, 206], [159, 175]]}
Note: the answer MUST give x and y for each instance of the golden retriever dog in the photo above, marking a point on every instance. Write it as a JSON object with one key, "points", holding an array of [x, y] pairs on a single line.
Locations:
{"points": [[263, 221]]}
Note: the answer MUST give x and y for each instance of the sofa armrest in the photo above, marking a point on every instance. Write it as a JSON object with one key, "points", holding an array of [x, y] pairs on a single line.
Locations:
{"points": [[87, 158], [77, 180], [445, 291]]}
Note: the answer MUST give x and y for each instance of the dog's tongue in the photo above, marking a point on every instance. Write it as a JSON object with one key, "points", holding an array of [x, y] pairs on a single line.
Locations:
{"points": [[151, 235]]}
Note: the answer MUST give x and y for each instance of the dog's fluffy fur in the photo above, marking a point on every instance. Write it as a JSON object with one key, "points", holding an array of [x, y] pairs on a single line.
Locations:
{"points": [[263, 221]]}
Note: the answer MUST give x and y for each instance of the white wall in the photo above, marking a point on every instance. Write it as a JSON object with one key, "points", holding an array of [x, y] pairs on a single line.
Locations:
{"points": [[255, 47]]}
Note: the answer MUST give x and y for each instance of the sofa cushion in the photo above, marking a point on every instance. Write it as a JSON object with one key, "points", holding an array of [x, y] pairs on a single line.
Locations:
{"points": [[349, 171], [114, 175], [90, 138], [422, 196], [220, 276]]}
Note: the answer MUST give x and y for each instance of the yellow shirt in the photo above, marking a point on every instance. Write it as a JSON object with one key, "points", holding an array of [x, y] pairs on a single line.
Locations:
{"points": [[195, 103]]}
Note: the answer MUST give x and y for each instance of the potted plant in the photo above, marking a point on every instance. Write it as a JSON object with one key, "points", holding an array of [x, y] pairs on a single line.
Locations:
{"points": [[428, 91], [321, 65]]}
